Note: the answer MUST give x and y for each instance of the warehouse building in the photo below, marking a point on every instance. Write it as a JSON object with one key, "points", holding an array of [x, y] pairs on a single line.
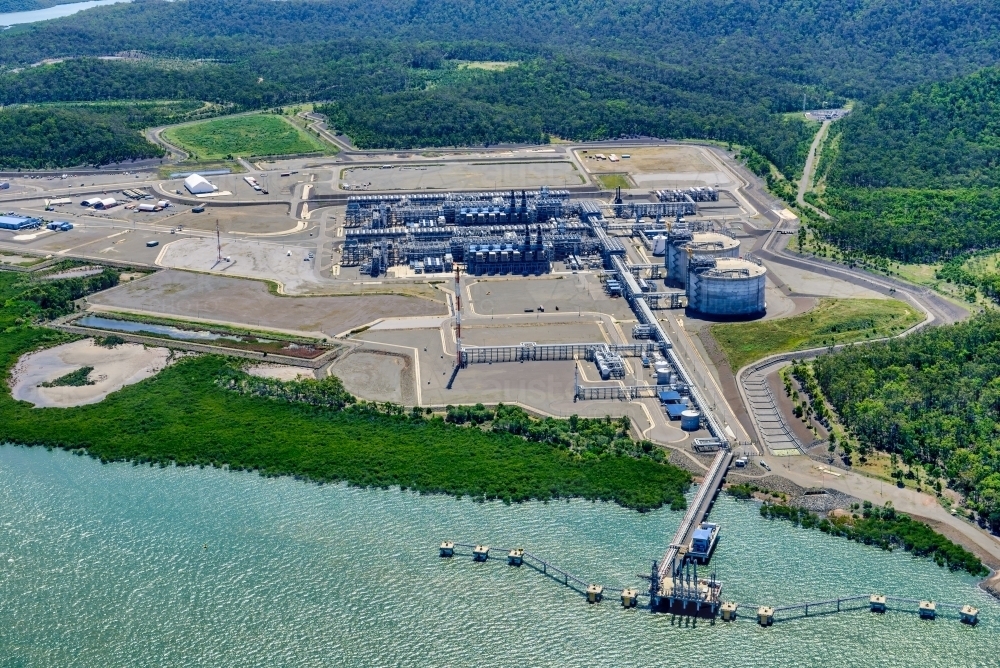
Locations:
{"points": [[19, 223]]}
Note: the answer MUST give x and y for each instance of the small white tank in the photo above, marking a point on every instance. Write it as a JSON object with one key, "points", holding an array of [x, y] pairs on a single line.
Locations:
{"points": [[690, 420], [659, 245]]}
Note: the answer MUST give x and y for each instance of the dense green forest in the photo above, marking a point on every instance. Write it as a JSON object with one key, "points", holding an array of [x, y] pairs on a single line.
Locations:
{"points": [[943, 135], [205, 411], [933, 398], [593, 69], [916, 175], [34, 138], [911, 225]]}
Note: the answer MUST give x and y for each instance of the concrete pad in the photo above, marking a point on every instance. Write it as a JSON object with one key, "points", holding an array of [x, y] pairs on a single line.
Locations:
{"points": [[114, 368], [500, 333], [580, 292]]}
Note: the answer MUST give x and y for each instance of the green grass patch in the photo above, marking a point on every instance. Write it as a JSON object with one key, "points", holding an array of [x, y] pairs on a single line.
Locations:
{"points": [[832, 322], [610, 181], [77, 378], [165, 171], [250, 135]]}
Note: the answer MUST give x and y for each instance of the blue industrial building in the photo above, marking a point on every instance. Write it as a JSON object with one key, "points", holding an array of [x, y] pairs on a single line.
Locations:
{"points": [[19, 223]]}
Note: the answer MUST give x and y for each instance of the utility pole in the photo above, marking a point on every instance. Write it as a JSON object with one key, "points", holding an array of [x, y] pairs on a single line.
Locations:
{"points": [[218, 240], [803, 103]]}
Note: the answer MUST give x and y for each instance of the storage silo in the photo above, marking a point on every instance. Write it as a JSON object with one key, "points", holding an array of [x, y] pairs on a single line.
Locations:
{"points": [[690, 420], [726, 286], [700, 244], [663, 373]]}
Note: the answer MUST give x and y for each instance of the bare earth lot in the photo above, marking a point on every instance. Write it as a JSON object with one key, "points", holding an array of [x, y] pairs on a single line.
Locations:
{"points": [[659, 166], [189, 295], [114, 368], [377, 376], [466, 175]]}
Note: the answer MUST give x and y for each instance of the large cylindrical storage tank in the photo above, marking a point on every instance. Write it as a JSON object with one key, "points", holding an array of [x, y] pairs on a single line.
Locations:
{"points": [[662, 373], [659, 245], [701, 244], [727, 287], [690, 420]]}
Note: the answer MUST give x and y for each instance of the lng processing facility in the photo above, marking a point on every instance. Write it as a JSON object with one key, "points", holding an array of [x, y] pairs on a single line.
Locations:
{"points": [[547, 278]]}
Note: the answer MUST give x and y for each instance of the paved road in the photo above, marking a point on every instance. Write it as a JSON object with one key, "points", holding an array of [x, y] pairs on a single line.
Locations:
{"points": [[802, 470], [805, 472]]}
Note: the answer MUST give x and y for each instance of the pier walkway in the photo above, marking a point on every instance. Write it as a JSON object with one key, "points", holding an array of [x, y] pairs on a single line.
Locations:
{"points": [[690, 595], [663, 587]]}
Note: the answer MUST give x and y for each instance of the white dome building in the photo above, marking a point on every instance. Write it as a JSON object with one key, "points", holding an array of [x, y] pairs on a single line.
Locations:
{"points": [[199, 185]]}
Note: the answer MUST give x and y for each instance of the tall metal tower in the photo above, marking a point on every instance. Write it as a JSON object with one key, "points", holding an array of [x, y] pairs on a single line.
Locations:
{"points": [[218, 240]]}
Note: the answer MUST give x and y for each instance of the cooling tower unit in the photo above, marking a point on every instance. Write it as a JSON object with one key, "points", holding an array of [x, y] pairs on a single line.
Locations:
{"points": [[700, 244], [726, 287]]}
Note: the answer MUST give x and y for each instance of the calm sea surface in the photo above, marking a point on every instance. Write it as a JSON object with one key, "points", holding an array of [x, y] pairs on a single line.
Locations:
{"points": [[58, 11], [119, 565]]}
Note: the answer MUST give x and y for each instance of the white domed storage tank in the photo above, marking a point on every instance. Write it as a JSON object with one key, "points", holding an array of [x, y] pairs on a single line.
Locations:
{"points": [[690, 420], [701, 244], [726, 287], [659, 245]]}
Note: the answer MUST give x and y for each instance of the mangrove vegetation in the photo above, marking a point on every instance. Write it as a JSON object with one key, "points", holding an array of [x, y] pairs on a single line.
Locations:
{"points": [[885, 528], [204, 411]]}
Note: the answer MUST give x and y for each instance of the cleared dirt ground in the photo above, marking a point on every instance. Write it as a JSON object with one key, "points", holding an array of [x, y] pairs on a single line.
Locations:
{"points": [[253, 220], [648, 159], [660, 167], [234, 300], [466, 175], [377, 376], [280, 372]]}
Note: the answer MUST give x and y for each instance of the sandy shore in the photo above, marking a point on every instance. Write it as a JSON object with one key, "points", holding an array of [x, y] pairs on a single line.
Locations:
{"points": [[114, 368]]}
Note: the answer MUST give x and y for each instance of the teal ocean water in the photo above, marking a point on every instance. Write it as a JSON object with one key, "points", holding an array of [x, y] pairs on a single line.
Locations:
{"points": [[117, 565]]}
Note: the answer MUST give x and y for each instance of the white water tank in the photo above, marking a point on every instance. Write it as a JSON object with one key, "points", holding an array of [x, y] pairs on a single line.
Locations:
{"points": [[662, 373], [659, 245], [690, 420]]}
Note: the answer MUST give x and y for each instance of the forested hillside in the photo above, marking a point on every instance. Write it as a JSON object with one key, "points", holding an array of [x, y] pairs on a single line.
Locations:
{"points": [[590, 69], [916, 172], [942, 135], [39, 138], [932, 398]]}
